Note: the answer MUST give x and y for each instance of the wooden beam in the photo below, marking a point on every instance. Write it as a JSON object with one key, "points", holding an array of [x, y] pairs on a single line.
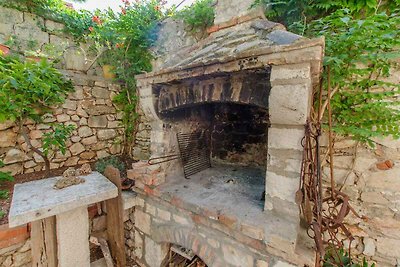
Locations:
{"points": [[115, 219], [44, 243]]}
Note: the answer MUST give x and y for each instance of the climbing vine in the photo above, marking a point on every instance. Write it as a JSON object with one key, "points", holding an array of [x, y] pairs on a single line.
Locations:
{"points": [[29, 90], [362, 40]]}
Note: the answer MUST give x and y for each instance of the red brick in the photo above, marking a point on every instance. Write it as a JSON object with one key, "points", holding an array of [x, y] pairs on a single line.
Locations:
{"points": [[176, 201], [212, 29], [92, 210], [199, 219], [12, 236], [386, 165], [209, 213], [227, 220]]}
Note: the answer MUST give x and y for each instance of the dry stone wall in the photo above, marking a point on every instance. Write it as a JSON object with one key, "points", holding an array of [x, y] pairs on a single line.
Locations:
{"points": [[98, 132], [371, 177], [18, 255]]}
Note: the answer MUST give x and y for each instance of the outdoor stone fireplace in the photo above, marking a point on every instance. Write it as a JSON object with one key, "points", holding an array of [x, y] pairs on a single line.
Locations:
{"points": [[247, 90]]}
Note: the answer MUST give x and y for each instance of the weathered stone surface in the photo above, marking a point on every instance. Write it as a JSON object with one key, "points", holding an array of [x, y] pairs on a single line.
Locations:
{"points": [[14, 155], [155, 253], [10, 16], [236, 257], [106, 134], [85, 131], [77, 148], [98, 121], [100, 92], [100, 110], [63, 118], [88, 155], [369, 246], [75, 59], [6, 125], [388, 247], [142, 221], [30, 204], [89, 141], [285, 138], [8, 138], [69, 104]]}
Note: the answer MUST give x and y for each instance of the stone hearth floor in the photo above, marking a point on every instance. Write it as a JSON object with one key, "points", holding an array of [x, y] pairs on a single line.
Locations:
{"points": [[232, 190]]}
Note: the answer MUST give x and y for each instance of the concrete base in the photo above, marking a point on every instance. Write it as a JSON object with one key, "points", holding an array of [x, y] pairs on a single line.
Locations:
{"points": [[73, 238]]}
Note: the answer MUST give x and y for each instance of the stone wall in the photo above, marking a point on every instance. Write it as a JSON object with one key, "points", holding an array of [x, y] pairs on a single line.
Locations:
{"points": [[90, 109], [371, 177]]}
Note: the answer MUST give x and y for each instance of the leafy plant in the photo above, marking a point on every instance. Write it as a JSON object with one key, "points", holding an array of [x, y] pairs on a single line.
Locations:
{"points": [[55, 140], [360, 54], [123, 39], [198, 17], [334, 258], [27, 91], [4, 176], [114, 161]]}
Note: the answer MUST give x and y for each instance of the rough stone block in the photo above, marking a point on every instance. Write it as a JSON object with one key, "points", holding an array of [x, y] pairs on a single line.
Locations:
{"points": [[281, 186], [236, 256], [100, 92], [98, 121], [11, 16], [8, 138], [285, 138], [142, 221], [155, 253], [164, 215], [290, 104], [388, 247], [106, 134], [294, 71]]}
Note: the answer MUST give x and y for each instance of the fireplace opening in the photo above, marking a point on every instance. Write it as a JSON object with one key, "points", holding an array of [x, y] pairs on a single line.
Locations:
{"points": [[237, 143]]}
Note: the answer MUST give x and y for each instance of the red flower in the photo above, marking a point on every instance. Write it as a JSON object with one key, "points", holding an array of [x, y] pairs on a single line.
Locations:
{"points": [[91, 29], [123, 11], [157, 8], [96, 19], [126, 2]]}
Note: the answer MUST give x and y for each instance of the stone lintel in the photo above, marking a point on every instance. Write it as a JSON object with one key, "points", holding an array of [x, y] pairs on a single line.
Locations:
{"points": [[38, 199]]}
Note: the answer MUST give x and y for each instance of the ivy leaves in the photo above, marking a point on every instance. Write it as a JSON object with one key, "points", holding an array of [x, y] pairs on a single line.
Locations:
{"points": [[360, 53], [29, 89]]}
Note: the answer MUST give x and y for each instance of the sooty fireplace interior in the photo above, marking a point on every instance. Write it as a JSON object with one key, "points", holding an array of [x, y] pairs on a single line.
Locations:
{"points": [[217, 130]]}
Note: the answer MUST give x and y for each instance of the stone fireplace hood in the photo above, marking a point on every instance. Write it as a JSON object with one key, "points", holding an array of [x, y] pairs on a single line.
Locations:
{"points": [[251, 44]]}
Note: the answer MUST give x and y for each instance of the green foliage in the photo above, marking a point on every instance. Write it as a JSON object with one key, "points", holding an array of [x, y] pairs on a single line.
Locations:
{"points": [[334, 258], [362, 41], [114, 161], [29, 89], [4, 176], [55, 140], [126, 38], [76, 23], [199, 16], [360, 54]]}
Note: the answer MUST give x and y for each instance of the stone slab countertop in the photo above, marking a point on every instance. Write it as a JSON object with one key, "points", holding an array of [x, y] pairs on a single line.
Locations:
{"points": [[38, 199]]}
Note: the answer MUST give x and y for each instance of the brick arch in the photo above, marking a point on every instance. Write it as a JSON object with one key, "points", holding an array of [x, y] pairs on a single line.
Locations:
{"points": [[251, 89], [190, 239]]}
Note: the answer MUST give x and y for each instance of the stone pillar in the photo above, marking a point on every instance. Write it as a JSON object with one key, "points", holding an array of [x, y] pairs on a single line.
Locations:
{"points": [[289, 107], [73, 238]]}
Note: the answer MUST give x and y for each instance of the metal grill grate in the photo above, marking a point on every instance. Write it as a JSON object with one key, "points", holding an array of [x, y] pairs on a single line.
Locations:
{"points": [[195, 152]]}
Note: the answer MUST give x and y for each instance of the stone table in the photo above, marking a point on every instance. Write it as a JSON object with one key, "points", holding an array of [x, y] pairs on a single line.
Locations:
{"points": [[59, 217]]}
